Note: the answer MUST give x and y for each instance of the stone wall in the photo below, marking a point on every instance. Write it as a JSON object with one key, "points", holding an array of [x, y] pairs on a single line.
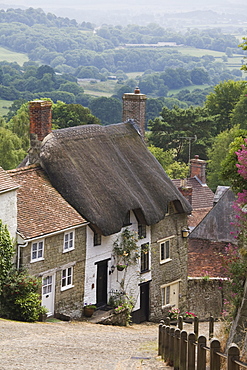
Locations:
{"points": [[173, 270], [205, 297], [67, 302]]}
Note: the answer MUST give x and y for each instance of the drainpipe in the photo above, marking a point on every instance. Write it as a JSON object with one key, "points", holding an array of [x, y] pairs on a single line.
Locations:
{"points": [[19, 246]]}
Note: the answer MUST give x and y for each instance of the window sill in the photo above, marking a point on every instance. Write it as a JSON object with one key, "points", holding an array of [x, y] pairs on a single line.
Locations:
{"points": [[37, 260], [165, 261], [68, 250], [145, 271], [66, 287]]}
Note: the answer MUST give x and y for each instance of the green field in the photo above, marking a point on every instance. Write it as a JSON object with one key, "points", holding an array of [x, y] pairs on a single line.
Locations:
{"points": [[190, 88], [4, 105], [11, 56], [100, 88]]}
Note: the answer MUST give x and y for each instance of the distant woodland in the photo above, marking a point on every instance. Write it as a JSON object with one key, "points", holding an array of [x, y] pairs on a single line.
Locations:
{"points": [[195, 97]]}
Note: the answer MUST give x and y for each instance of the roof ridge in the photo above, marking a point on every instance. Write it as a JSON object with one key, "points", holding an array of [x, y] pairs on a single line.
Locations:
{"points": [[17, 170]]}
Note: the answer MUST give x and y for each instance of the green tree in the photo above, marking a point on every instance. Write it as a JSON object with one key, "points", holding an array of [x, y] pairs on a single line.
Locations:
{"points": [[217, 156], [239, 113], [222, 101], [6, 254], [11, 151], [174, 169], [69, 115], [108, 110], [229, 168], [244, 47], [173, 127]]}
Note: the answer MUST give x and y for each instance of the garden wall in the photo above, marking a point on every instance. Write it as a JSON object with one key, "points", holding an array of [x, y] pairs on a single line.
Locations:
{"points": [[205, 297]]}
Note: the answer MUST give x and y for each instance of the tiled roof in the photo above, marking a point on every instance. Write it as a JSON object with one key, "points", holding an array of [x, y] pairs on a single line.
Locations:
{"points": [[40, 208], [202, 199], [202, 195], [6, 182]]}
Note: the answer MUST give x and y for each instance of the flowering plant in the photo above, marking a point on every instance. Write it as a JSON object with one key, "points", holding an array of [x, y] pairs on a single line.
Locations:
{"points": [[174, 313], [189, 315]]}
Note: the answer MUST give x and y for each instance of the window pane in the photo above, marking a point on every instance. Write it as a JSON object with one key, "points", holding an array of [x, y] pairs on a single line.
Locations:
{"points": [[167, 249], [167, 294], [162, 251]]}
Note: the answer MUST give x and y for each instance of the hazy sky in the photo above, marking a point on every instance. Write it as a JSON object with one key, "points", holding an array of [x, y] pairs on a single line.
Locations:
{"points": [[161, 4], [87, 10]]}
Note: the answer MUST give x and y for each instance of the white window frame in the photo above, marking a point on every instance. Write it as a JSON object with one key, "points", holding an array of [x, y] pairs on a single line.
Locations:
{"points": [[67, 278], [163, 242], [39, 251], [69, 245]]}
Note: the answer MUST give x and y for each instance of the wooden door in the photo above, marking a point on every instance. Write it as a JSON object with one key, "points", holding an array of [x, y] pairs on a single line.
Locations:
{"points": [[101, 288], [143, 313]]}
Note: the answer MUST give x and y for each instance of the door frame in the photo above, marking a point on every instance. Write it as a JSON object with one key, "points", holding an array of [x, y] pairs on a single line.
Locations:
{"points": [[53, 289], [105, 282]]}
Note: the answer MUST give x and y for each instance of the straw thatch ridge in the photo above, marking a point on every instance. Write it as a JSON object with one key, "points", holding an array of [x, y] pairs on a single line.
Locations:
{"points": [[105, 171]]}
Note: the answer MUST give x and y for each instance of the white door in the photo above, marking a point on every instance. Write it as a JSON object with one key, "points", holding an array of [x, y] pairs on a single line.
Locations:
{"points": [[174, 294], [48, 289]]}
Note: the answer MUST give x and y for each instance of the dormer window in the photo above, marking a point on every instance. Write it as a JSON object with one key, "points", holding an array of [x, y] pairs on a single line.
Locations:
{"points": [[96, 239], [142, 231], [127, 219]]}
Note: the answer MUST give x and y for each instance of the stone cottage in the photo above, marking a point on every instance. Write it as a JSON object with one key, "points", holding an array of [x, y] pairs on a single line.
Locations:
{"points": [[112, 182]]}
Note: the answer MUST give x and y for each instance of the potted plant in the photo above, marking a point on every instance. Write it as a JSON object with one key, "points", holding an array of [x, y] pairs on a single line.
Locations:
{"points": [[89, 309], [189, 317], [121, 267]]}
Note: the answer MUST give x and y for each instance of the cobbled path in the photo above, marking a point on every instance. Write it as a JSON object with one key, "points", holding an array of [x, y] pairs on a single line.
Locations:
{"points": [[81, 345], [78, 345]]}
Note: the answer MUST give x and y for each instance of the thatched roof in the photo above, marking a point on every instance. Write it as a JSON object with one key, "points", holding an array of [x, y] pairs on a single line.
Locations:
{"points": [[105, 171]]}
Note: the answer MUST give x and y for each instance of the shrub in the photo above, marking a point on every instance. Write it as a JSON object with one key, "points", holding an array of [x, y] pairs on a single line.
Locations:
{"points": [[20, 299]]}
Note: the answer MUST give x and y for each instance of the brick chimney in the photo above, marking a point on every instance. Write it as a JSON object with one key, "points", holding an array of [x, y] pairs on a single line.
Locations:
{"points": [[198, 169], [40, 126], [134, 107], [185, 190]]}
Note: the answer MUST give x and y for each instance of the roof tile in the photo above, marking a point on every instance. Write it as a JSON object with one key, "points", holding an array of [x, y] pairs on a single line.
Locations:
{"points": [[41, 209]]}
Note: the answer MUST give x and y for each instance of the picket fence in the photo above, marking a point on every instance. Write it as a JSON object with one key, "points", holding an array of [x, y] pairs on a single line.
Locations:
{"points": [[185, 351]]}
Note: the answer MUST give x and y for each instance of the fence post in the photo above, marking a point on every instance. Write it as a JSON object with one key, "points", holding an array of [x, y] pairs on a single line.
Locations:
{"points": [[176, 349], [180, 322], [191, 352], [183, 350], [164, 339], [201, 353], [171, 347], [211, 327], [166, 349], [214, 358], [160, 340], [233, 353], [196, 326]]}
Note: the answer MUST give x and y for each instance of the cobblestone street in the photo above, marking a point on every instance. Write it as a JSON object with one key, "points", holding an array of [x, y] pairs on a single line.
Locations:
{"points": [[78, 345]]}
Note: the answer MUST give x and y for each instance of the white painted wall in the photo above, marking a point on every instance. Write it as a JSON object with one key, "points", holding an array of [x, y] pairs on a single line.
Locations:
{"points": [[8, 210], [104, 251]]}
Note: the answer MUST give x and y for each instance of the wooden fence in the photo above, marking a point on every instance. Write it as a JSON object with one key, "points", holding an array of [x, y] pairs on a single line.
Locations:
{"points": [[185, 351]]}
